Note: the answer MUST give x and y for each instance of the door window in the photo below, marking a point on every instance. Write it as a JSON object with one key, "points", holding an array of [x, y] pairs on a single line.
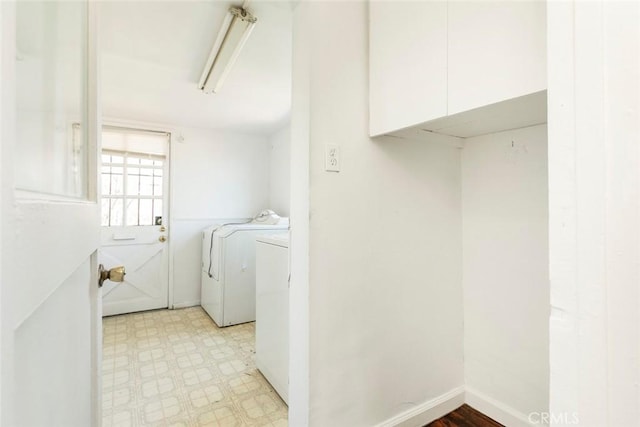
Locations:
{"points": [[132, 188], [51, 102]]}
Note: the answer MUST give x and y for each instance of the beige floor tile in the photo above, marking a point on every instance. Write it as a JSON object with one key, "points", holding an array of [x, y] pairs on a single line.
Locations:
{"points": [[177, 368]]}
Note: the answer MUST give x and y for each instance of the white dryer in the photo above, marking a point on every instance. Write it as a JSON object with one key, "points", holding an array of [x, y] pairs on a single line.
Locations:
{"points": [[272, 311], [228, 292]]}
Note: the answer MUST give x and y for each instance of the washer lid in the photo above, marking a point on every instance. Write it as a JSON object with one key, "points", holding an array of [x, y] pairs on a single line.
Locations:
{"points": [[227, 230], [274, 239]]}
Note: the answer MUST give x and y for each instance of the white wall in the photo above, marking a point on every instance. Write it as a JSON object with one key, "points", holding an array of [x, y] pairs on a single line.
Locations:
{"points": [[279, 171], [505, 271], [214, 175], [385, 239], [6, 80], [594, 187]]}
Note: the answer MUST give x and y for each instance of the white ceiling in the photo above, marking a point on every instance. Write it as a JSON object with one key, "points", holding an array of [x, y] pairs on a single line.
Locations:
{"points": [[154, 53]]}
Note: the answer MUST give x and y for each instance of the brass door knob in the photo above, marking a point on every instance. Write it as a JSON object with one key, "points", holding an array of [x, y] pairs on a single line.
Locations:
{"points": [[162, 238], [116, 274]]}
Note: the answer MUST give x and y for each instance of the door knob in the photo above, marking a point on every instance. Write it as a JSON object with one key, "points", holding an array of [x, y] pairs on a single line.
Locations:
{"points": [[163, 229], [162, 238], [116, 274]]}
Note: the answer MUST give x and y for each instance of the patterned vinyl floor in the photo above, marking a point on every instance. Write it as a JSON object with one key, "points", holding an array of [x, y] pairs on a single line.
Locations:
{"points": [[177, 368]]}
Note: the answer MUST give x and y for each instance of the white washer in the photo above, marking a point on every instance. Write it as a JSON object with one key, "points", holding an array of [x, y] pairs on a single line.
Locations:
{"points": [[228, 292], [272, 311]]}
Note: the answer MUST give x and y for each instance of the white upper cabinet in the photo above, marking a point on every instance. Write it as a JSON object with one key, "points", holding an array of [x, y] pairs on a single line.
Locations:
{"points": [[407, 63], [456, 67], [497, 51]]}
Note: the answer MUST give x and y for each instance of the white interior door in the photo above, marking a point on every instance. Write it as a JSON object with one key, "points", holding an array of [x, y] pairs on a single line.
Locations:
{"points": [[134, 213], [50, 316]]}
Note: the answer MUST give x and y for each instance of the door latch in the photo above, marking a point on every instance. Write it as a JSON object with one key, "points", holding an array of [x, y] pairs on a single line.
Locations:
{"points": [[116, 274]]}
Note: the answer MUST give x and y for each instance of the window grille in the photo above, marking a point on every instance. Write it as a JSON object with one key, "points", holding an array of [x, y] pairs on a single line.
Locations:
{"points": [[132, 188]]}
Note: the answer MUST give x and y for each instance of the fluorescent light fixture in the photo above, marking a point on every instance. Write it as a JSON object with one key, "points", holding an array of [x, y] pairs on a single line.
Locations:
{"points": [[235, 31]]}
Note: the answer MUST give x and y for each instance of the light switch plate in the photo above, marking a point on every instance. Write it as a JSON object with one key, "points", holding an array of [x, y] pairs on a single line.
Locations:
{"points": [[332, 158]]}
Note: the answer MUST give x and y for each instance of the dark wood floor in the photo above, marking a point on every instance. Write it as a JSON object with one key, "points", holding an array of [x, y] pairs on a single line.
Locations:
{"points": [[465, 416]]}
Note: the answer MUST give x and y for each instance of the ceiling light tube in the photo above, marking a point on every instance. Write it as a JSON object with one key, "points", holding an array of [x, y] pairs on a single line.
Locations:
{"points": [[235, 31]]}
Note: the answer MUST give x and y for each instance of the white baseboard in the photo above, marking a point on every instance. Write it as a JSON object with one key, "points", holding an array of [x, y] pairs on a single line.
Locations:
{"points": [[186, 304], [500, 412], [428, 411]]}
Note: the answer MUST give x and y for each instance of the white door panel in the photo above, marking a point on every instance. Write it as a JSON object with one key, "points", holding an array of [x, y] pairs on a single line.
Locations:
{"points": [[48, 248], [50, 313], [145, 284], [49, 380]]}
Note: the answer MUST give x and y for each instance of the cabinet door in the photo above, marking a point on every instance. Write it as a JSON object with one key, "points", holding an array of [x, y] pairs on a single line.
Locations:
{"points": [[408, 63], [497, 51]]}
